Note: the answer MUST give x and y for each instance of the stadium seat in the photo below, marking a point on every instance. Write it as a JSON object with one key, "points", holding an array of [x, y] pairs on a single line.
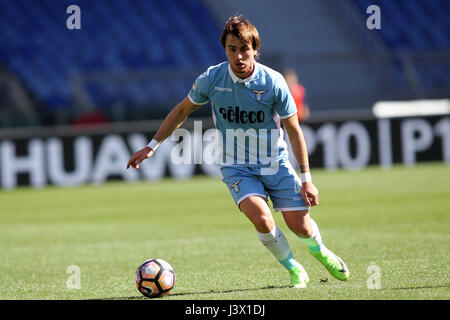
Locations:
{"points": [[122, 35], [413, 27]]}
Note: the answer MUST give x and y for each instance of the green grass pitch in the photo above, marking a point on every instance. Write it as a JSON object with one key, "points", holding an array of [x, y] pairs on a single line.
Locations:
{"points": [[395, 219]]}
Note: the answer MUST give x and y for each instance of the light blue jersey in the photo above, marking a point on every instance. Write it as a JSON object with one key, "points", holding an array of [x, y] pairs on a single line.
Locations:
{"points": [[247, 113]]}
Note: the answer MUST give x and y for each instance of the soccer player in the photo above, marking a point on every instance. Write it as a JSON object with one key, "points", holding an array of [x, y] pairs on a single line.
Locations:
{"points": [[249, 102]]}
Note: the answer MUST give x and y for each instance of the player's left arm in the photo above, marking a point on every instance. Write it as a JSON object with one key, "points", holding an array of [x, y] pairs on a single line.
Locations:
{"points": [[298, 144]]}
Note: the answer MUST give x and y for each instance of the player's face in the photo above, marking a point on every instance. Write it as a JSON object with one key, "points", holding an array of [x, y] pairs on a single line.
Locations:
{"points": [[241, 56]]}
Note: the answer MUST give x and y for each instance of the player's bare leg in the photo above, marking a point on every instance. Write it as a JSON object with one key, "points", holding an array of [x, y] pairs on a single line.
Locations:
{"points": [[258, 212], [299, 222], [308, 232]]}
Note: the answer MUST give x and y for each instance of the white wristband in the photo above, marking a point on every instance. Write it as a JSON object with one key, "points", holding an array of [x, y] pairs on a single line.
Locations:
{"points": [[154, 144], [305, 177]]}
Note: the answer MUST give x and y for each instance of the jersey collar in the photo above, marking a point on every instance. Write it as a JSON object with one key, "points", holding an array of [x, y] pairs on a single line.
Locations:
{"points": [[245, 81]]}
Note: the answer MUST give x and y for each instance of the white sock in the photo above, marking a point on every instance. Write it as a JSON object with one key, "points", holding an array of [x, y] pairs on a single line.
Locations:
{"points": [[277, 244], [315, 241]]}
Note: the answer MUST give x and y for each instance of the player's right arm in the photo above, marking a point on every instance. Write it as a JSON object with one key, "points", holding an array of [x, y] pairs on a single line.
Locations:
{"points": [[173, 121]]}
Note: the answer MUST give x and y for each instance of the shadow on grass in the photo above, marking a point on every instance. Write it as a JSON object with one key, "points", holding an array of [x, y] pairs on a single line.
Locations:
{"points": [[137, 297], [418, 288], [140, 297]]}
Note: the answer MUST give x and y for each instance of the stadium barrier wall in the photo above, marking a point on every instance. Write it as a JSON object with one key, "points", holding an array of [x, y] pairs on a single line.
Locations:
{"points": [[71, 156]]}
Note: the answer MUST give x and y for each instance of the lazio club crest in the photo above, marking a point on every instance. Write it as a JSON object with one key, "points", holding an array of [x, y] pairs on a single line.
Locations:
{"points": [[258, 94], [235, 186]]}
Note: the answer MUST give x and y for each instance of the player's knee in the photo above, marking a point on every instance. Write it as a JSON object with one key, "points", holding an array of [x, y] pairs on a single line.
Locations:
{"points": [[264, 224], [299, 223], [302, 229], [304, 233]]}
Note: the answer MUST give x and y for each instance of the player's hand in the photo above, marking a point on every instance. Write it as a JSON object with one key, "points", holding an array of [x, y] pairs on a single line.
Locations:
{"points": [[310, 194], [139, 156]]}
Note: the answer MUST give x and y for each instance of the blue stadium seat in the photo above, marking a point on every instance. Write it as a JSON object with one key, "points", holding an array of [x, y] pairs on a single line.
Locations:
{"points": [[117, 35], [423, 25], [417, 26]]}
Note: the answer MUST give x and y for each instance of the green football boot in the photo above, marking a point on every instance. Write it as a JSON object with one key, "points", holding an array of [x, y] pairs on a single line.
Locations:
{"points": [[299, 277], [335, 266]]}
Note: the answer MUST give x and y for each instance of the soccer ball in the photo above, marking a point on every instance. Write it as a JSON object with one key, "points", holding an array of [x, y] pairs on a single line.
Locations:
{"points": [[155, 278]]}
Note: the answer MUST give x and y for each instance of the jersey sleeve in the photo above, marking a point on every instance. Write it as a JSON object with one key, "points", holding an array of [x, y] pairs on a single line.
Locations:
{"points": [[284, 102], [199, 90]]}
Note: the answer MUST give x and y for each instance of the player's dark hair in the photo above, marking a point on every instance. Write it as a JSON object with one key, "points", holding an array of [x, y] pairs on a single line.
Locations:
{"points": [[240, 27]]}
